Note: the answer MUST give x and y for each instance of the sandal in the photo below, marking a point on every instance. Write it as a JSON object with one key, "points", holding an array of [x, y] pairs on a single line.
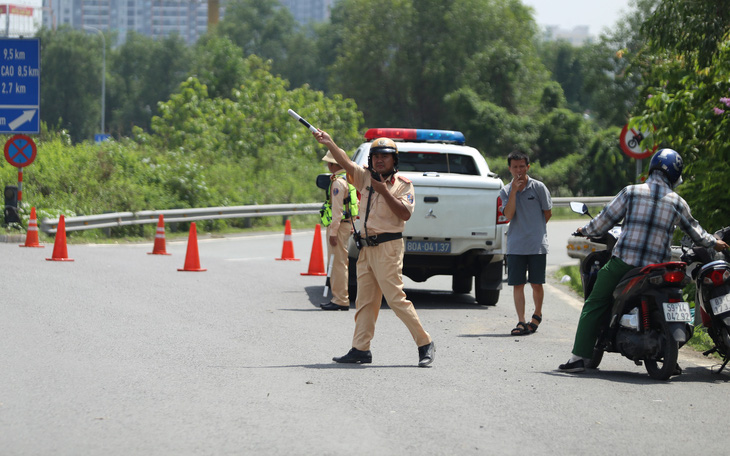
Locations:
{"points": [[521, 329], [533, 326]]}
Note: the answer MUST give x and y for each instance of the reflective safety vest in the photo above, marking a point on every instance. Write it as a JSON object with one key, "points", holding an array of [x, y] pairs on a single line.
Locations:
{"points": [[349, 204]]}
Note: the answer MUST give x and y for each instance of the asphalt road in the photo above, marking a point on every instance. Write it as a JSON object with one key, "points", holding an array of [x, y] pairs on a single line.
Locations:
{"points": [[119, 353]]}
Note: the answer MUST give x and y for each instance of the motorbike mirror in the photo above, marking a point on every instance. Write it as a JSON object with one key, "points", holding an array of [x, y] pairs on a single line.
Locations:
{"points": [[579, 208], [723, 234], [685, 242], [323, 181]]}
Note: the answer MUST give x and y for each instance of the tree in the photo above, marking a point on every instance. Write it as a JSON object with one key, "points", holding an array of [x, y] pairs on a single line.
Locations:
{"points": [[218, 64], [565, 63], [561, 132], [400, 58], [253, 152], [71, 63], [602, 78], [490, 128], [688, 98], [144, 72]]}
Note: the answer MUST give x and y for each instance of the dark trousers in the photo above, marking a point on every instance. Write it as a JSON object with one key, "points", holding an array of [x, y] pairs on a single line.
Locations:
{"points": [[597, 305]]}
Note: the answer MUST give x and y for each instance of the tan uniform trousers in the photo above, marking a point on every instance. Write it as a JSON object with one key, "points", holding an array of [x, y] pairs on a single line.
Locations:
{"points": [[379, 273], [339, 273]]}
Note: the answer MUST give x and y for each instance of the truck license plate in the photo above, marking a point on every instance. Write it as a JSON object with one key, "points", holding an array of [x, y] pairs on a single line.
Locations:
{"points": [[677, 311], [720, 304], [428, 247]]}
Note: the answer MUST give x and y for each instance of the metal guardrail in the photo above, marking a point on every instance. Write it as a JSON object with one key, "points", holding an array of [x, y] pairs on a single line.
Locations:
{"points": [[589, 200], [116, 219]]}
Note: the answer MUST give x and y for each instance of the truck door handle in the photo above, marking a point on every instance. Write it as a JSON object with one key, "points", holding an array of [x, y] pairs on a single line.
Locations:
{"points": [[430, 199]]}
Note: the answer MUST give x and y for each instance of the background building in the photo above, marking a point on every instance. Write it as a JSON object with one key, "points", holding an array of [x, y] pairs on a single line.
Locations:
{"points": [[157, 18], [20, 17], [153, 18], [577, 36], [305, 11]]}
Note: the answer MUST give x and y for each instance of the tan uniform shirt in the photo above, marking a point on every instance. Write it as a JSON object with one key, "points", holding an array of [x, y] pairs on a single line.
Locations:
{"points": [[382, 219], [338, 193]]}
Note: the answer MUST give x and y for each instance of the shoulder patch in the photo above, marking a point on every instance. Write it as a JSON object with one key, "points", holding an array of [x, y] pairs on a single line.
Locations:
{"points": [[404, 179]]}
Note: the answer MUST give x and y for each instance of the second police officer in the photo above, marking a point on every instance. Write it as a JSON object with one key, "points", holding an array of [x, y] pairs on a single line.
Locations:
{"points": [[337, 212]]}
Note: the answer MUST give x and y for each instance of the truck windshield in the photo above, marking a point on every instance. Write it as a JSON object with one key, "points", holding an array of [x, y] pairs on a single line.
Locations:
{"points": [[423, 162]]}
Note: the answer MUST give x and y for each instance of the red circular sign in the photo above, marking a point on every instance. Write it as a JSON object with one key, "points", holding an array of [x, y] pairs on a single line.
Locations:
{"points": [[20, 151], [630, 141]]}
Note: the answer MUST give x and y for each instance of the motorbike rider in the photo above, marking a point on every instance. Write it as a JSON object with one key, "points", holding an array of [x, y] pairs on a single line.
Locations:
{"points": [[650, 211]]}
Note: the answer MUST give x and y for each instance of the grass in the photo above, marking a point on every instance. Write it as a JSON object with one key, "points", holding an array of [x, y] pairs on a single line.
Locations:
{"points": [[574, 273]]}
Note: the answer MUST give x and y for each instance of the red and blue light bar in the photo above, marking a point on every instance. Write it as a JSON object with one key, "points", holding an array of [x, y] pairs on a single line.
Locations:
{"points": [[416, 134]]}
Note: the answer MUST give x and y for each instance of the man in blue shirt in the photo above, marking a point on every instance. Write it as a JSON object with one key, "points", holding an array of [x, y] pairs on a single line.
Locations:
{"points": [[650, 212], [526, 202]]}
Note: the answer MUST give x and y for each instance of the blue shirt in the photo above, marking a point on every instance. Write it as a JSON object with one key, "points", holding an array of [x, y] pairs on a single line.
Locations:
{"points": [[651, 212], [527, 232]]}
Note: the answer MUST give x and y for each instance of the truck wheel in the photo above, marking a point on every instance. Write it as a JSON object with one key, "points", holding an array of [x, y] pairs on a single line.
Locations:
{"points": [[487, 297], [461, 283]]}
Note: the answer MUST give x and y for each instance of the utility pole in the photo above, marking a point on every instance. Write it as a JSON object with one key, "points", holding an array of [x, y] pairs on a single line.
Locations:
{"points": [[103, 71], [213, 13]]}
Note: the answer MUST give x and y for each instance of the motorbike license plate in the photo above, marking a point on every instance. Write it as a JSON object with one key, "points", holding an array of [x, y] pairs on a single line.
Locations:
{"points": [[428, 247], [677, 311], [720, 304]]}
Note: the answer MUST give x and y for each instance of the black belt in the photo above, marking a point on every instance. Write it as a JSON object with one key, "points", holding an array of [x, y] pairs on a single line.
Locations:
{"points": [[374, 240]]}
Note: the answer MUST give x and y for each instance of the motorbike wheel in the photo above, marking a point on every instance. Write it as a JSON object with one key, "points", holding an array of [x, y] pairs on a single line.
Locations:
{"points": [[723, 347], [663, 368], [595, 360]]}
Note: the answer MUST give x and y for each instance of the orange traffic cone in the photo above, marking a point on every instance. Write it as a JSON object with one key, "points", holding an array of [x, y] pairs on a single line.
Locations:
{"points": [[31, 239], [192, 261], [59, 245], [159, 247], [316, 260], [287, 251]]}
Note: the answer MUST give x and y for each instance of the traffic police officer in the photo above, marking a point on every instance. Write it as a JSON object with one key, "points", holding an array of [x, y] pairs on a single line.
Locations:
{"points": [[340, 206], [386, 204]]}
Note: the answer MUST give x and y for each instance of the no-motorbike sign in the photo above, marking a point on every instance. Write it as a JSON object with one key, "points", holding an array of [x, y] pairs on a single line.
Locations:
{"points": [[630, 141], [20, 151]]}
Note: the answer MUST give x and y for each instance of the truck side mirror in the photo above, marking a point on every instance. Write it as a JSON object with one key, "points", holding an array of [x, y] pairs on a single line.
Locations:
{"points": [[323, 181]]}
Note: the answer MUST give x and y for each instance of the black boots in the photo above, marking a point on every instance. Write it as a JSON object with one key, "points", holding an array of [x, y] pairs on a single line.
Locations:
{"points": [[355, 356], [332, 306], [426, 354]]}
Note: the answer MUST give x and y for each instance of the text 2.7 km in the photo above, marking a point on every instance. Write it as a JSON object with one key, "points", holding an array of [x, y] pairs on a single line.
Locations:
{"points": [[9, 88]]}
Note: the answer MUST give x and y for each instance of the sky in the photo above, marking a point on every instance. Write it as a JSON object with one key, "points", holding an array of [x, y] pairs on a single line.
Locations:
{"points": [[566, 14]]}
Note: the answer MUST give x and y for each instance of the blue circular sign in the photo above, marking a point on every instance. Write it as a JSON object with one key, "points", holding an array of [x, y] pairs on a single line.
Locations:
{"points": [[20, 151]]}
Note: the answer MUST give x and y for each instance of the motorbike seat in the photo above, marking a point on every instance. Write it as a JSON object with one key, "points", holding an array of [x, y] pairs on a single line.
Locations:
{"points": [[632, 273]]}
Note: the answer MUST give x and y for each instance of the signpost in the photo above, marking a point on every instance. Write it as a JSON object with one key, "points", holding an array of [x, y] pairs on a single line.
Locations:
{"points": [[20, 85], [630, 142], [20, 151]]}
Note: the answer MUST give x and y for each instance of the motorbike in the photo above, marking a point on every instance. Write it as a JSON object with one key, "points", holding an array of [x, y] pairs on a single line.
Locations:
{"points": [[710, 271], [648, 321]]}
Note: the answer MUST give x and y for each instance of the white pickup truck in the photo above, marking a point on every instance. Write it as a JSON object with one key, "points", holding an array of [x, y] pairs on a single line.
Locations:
{"points": [[456, 228]]}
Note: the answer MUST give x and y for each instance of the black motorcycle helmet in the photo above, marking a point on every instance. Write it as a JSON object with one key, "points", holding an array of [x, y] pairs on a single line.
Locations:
{"points": [[670, 163]]}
